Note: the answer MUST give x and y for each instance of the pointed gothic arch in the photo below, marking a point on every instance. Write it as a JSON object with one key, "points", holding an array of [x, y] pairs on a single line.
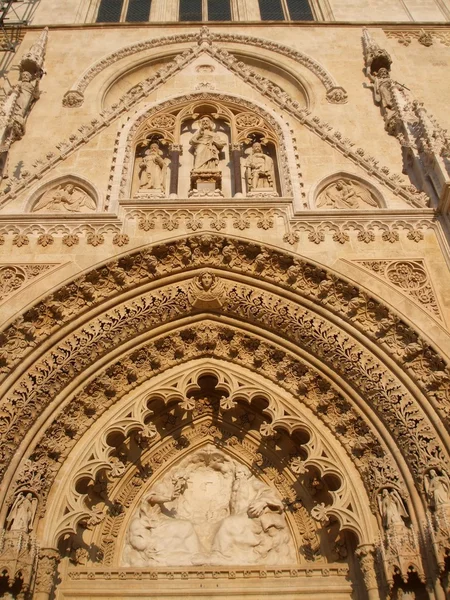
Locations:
{"points": [[79, 351]]}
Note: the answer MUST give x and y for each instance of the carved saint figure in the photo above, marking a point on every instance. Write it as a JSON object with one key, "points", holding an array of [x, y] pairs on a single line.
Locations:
{"points": [[345, 193], [152, 169], [437, 488], [66, 197], [383, 95], [207, 146], [209, 510], [21, 515], [392, 508], [259, 169], [256, 528], [157, 535]]}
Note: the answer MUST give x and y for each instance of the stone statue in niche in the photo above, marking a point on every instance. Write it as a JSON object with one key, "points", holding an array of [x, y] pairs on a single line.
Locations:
{"points": [[152, 172], [22, 513], [209, 510], [345, 194], [207, 146], [259, 172], [206, 176], [66, 198], [437, 489], [28, 94], [392, 508]]}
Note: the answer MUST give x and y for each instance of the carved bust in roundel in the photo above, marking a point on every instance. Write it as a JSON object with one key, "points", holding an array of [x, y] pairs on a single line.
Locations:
{"points": [[67, 198], [209, 510], [345, 193]]}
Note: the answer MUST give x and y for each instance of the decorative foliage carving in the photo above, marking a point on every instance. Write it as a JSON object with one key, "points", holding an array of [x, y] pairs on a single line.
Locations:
{"points": [[15, 276], [424, 37], [379, 387], [46, 570], [410, 276]]}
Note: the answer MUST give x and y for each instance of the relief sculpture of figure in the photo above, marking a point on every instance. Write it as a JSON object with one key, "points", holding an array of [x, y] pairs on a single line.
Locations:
{"points": [[256, 530], [437, 488], [21, 515], [392, 508], [209, 510], [345, 194], [157, 536], [207, 146], [66, 198], [259, 170], [152, 169]]}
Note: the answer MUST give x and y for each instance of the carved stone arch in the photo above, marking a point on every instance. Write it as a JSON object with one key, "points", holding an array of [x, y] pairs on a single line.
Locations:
{"points": [[258, 260], [269, 292], [61, 181], [75, 96], [123, 168], [178, 386], [376, 197]]}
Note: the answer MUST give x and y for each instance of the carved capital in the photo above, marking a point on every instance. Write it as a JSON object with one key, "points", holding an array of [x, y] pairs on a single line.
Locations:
{"points": [[176, 148], [366, 557], [46, 571]]}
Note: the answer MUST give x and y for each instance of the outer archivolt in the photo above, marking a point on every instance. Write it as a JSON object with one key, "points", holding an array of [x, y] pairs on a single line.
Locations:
{"points": [[270, 312]]}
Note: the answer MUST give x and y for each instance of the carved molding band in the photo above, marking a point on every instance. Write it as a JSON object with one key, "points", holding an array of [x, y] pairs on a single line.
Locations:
{"points": [[74, 97], [15, 276]]}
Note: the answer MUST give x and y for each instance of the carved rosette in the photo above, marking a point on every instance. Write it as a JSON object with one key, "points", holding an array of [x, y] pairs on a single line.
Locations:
{"points": [[46, 572]]}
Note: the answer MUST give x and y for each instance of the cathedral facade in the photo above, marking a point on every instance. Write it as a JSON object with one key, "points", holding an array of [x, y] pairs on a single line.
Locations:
{"points": [[225, 300]]}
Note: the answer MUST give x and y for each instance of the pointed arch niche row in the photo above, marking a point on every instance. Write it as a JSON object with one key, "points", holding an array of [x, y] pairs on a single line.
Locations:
{"points": [[204, 148], [207, 363]]}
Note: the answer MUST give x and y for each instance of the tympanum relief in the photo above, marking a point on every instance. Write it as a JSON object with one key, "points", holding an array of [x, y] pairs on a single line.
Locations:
{"points": [[209, 510], [66, 197], [345, 194]]}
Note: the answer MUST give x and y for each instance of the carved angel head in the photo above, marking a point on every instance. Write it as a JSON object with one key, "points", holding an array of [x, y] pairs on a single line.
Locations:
{"points": [[206, 280]]}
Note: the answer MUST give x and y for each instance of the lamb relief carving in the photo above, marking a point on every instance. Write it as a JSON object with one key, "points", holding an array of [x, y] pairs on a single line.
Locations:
{"points": [[346, 194], [209, 510], [67, 197]]}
